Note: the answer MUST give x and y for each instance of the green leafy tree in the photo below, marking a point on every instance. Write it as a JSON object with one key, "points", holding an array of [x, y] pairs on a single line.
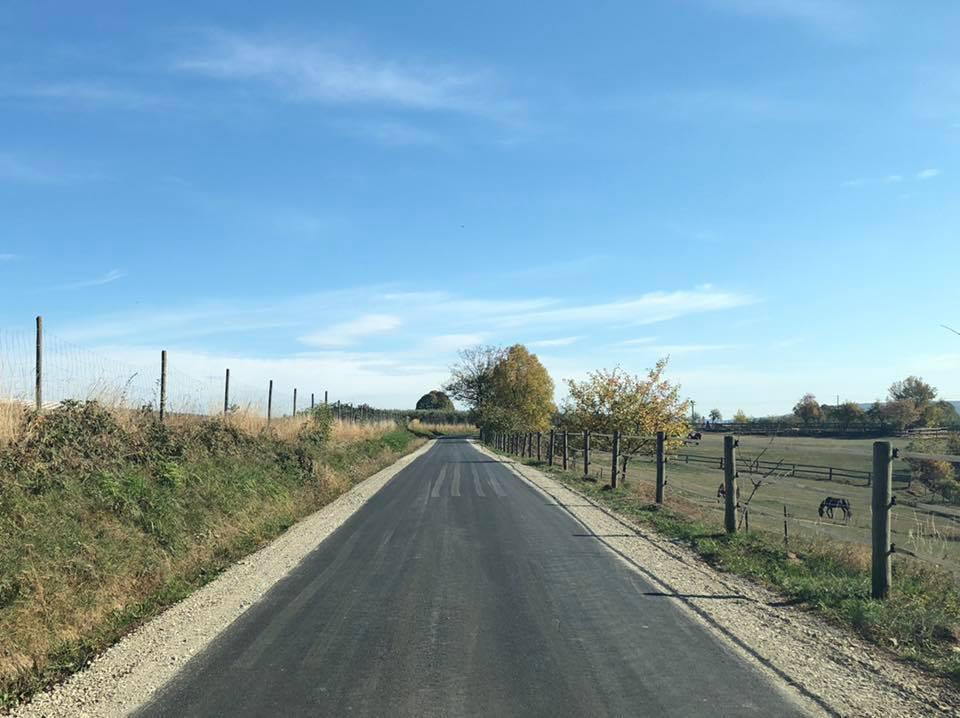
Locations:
{"points": [[435, 400], [940, 413], [741, 417], [808, 409], [609, 401], [848, 413], [715, 415], [897, 415], [520, 394], [915, 390]]}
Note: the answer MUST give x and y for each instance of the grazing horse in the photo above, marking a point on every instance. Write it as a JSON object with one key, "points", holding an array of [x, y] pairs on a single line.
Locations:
{"points": [[830, 503], [694, 436]]}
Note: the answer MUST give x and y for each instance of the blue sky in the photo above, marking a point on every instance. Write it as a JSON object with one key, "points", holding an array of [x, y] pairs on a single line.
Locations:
{"points": [[338, 195]]}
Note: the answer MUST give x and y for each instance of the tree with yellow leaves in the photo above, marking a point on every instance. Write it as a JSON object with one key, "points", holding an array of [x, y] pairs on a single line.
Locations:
{"points": [[521, 394], [609, 401]]}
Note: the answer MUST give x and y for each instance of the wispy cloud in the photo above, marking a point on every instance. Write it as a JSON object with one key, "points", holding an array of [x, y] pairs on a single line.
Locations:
{"points": [[719, 103], [111, 276], [646, 309], [673, 349], [452, 342], [395, 134], [560, 342], [839, 18], [86, 93], [891, 178], [636, 342], [427, 324], [15, 169], [347, 333], [324, 73]]}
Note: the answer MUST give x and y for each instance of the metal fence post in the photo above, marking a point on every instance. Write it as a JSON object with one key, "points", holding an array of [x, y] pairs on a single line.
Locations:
{"points": [[586, 454], [38, 395], [311, 401], [294, 401], [325, 396], [566, 450], [163, 384], [882, 490], [730, 483], [661, 465], [226, 393], [269, 400], [615, 463]]}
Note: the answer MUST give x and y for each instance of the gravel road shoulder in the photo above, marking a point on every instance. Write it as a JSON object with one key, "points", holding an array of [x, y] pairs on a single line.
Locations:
{"points": [[833, 670], [129, 673]]}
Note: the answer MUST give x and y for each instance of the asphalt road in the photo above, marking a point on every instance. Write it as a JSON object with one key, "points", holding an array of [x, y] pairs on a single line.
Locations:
{"points": [[458, 590]]}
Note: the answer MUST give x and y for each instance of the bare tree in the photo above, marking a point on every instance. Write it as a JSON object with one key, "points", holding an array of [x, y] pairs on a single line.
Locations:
{"points": [[471, 377]]}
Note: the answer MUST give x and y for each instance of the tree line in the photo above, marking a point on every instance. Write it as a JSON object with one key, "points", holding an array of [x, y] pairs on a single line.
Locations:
{"points": [[509, 390]]}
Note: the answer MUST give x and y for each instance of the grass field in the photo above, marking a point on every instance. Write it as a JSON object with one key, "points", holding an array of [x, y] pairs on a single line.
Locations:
{"points": [[919, 528], [920, 620]]}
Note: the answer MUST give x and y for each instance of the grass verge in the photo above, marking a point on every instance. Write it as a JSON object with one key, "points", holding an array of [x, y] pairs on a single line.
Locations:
{"points": [[106, 519], [434, 430], [920, 621]]}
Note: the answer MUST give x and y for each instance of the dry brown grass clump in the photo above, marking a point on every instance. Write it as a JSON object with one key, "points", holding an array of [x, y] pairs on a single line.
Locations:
{"points": [[420, 427]]}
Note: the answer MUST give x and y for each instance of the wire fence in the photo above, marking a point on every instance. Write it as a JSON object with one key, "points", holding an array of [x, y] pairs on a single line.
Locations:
{"points": [[774, 493], [41, 370]]}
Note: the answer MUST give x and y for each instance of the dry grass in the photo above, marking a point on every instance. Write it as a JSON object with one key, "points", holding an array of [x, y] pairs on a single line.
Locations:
{"points": [[420, 427], [11, 419]]}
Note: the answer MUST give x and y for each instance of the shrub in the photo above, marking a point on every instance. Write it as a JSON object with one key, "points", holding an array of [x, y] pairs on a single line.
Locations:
{"points": [[318, 429]]}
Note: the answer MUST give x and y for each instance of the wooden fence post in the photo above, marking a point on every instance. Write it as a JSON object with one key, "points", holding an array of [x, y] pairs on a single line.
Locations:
{"points": [[226, 393], [882, 489], [325, 397], [566, 450], [550, 447], [586, 454], [294, 401], [730, 483], [163, 384], [311, 401], [38, 390], [269, 400], [661, 465], [614, 464], [539, 439]]}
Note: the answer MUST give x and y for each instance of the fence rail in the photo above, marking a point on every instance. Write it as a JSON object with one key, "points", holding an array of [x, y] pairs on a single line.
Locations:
{"points": [[767, 428], [789, 468]]}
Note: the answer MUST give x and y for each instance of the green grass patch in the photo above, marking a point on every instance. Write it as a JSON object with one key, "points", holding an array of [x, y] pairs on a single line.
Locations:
{"points": [[107, 519], [920, 621]]}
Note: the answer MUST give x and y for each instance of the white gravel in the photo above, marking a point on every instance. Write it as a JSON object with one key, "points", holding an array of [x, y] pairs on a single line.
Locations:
{"points": [[831, 670], [128, 674]]}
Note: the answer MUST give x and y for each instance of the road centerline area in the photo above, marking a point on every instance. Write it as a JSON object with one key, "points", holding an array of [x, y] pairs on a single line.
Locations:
{"points": [[462, 607]]}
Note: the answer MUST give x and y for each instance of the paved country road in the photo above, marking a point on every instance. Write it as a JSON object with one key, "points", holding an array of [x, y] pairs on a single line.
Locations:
{"points": [[459, 590]]}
